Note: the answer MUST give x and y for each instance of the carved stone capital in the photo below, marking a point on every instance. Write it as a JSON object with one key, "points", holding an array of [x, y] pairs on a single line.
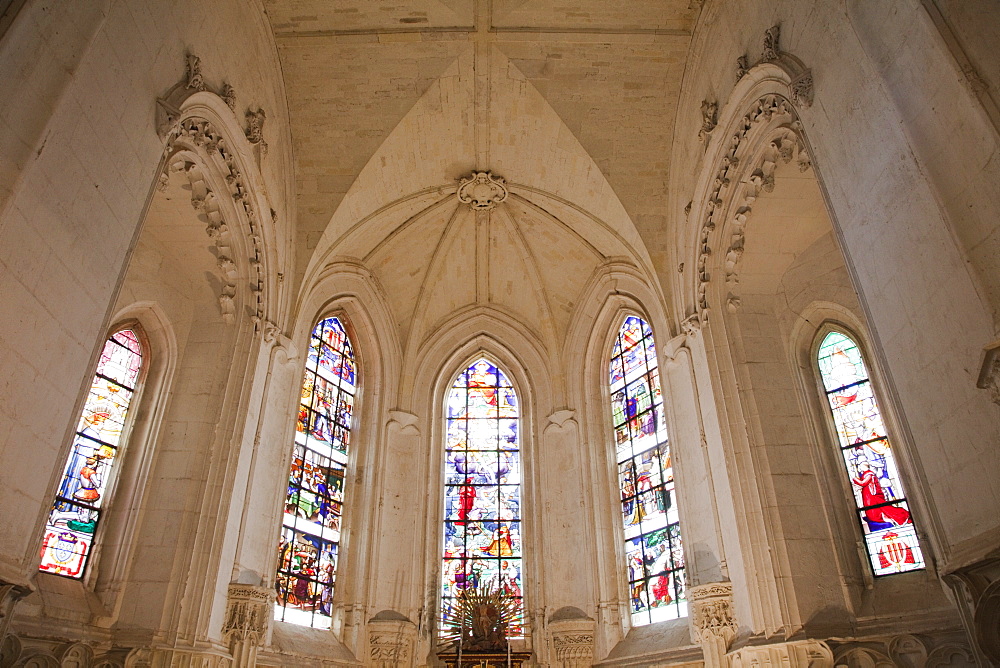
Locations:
{"points": [[712, 615], [482, 191], [248, 612], [573, 641], [391, 640]]}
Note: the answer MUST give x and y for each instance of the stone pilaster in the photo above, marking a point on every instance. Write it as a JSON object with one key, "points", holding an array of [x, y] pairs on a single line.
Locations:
{"points": [[391, 640], [713, 624], [248, 611]]}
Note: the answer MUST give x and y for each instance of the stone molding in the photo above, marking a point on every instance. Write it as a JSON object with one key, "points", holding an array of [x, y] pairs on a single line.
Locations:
{"points": [[482, 191], [194, 145], [926, 650], [794, 654], [741, 173], [391, 642], [248, 612]]}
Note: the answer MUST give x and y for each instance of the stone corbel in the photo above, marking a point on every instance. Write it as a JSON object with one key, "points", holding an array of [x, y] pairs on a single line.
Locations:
{"points": [[713, 624], [989, 371], [248, 611], [391, 640], [572, 634], [255, 133], [709, 119]]}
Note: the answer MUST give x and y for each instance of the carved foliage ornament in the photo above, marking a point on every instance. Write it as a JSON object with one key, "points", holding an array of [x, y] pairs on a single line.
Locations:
{"points": [[802, 84], [482, 191], [712, 612]]}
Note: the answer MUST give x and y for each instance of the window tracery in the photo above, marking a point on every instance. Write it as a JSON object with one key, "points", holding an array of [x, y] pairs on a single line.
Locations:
{"points": [[311, 524], [653, 552], [882, 509], [482, 518], [84, 491]]}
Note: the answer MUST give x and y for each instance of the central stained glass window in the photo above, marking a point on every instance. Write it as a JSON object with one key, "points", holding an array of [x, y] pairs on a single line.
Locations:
{"points": [[653, 553], [310, 530], [482, 525], [890, 536]]}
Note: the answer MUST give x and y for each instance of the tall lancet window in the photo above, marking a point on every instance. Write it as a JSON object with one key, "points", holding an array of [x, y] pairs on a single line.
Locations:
{"points": [[482, 503], [83, 492], [890, 536], [653, 553], [310, 530]]}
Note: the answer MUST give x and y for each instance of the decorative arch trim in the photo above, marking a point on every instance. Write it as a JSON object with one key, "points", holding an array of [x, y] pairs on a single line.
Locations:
{"points": [[205, 142], [760, 127]]}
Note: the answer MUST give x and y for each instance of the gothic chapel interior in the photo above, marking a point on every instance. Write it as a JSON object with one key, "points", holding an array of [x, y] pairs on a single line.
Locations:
{"points": [[671, 327]]}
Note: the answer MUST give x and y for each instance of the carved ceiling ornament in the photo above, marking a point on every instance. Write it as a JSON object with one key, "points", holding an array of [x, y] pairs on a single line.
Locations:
{"points": [[482, 191], [200, 151], [743, 159]]}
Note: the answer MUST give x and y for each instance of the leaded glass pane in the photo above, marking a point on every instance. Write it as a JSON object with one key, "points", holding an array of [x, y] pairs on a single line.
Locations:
{"points": [[653, 552], [310, 531], [76, 512], [890, 536], [482, 528]]}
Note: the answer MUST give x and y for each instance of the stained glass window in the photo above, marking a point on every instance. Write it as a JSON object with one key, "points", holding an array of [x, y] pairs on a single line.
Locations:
{"points": [[884, 514], [82, 495], [482, 503], [653, 553], [310, 530]]}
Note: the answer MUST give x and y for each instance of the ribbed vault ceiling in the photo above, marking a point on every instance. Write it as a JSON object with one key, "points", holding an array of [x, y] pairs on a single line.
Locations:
{"points": [[574, 99]]}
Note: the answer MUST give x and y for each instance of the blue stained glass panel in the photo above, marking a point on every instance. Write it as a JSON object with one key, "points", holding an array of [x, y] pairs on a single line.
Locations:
{"points": [[482, 528]]}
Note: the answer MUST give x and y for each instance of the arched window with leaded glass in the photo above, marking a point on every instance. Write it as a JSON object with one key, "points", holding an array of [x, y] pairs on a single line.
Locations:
{"points": [[482, 499], [653, 553], [311, 524], [85, 490], [880, 501]]}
